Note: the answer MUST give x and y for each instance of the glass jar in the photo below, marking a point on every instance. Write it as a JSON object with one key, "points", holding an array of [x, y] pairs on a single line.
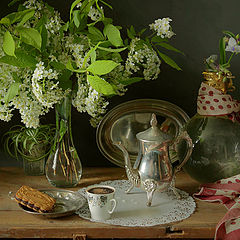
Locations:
{"points": [[34, 160], [34, 168]]}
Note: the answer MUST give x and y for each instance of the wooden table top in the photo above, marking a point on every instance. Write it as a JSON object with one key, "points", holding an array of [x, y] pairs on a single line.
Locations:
{"points": [[14, 223]]}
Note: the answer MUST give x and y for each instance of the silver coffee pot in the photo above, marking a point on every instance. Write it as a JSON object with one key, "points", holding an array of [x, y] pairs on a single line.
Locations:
{"points": [[153, 168]]}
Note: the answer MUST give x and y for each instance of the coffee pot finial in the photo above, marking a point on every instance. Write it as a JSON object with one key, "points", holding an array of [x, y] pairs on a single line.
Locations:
{"points": [[153, 121]]}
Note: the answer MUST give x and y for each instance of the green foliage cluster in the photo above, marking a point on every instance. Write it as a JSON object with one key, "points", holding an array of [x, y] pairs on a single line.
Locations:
{"points": [[29, 143]]}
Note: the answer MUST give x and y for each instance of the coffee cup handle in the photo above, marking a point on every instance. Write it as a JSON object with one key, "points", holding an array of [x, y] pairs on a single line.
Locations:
{"points": [[114, 206]]}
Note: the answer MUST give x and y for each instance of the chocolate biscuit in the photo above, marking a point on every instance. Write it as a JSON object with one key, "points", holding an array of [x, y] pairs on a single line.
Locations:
{"points": [[34, 199]]}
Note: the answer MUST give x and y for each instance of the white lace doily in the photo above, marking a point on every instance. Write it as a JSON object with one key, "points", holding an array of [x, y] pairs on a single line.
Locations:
{"points": [[132, 211]]}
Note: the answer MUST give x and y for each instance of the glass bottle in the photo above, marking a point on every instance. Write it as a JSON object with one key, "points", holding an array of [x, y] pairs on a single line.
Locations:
{"points": [[216, 138], [216, 152]]}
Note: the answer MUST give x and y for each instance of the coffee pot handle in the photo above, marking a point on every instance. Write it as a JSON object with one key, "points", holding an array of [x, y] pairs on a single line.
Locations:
{"points": [[184, 136]]}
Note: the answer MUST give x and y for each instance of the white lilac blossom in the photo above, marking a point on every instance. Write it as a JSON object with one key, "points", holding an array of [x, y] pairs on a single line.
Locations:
{"points": [[79, 100], [78, 53], [143, 57], [95, 14], [95, 106], [29, 107], [119, 73], [89, 100], [232, 46], [54, 23], [33, 4], [78, 50], [45, 86], [162, 27]]}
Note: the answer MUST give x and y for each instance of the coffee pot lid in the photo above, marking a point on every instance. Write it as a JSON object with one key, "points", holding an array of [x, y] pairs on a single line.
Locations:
{"points": [[153, 134]]}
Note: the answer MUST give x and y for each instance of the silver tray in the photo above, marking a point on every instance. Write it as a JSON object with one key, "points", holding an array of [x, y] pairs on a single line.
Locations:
{"points": [[124, 121], [67, 203]]}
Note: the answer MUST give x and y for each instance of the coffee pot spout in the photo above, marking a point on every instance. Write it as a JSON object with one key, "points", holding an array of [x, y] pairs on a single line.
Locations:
{"points": [[125, 154], [132, 174]]}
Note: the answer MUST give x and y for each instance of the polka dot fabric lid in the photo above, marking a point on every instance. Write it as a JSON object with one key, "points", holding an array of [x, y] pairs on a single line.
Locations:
{"points": [[212, 102]]}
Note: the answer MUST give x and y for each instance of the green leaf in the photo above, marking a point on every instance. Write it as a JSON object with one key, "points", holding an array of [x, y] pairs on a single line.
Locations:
{"points": [[169, 47], [74, 4], [12, 92], [89, 53], [65, 26], [158, 39], [142, 31], [10, 18], [5, 21], [230, 34], [112, 49], [21, 60], [76, 18], [63, 129], [8, 44], [117, 57], [107, 20], [13, 2], [222, 51], [70, 67], [83, 23], [131, 32], [113, 35], [168, 60], [16, 77], [26, 17], [106, 4], [96, 32], [58, 65], [16, 16], [132, 80], [64, 80], [102, 67], [42, 21], [100, 85], [30, 36], [93, 56], [44, 35], [86, 6]]}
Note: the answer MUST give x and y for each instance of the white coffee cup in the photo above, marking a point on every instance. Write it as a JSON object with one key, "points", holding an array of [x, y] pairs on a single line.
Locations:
{"points": [[101, 201]]}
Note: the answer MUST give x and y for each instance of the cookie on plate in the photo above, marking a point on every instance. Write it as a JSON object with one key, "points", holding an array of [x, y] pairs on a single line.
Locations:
{"points": [[34, 199]]}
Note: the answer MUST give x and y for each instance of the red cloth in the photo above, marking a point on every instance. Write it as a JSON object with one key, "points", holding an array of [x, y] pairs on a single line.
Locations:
{"points": [[227, 192]]}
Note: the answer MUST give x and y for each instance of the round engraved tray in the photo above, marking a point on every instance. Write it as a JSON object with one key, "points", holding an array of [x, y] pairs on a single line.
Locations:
{"points": [[132, 211], [67, 203], [124, 121]]}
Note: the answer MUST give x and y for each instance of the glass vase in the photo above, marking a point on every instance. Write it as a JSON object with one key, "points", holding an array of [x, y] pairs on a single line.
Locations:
{"points": [[63, 167], [216, 152]]}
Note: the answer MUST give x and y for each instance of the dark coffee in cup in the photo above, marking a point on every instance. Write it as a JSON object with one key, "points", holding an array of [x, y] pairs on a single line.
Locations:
{"points": [[100, 190]]}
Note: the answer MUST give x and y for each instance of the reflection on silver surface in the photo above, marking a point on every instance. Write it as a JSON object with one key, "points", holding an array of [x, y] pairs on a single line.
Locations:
{"points": [[67, 203], [123, 122], [126, 127]]}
